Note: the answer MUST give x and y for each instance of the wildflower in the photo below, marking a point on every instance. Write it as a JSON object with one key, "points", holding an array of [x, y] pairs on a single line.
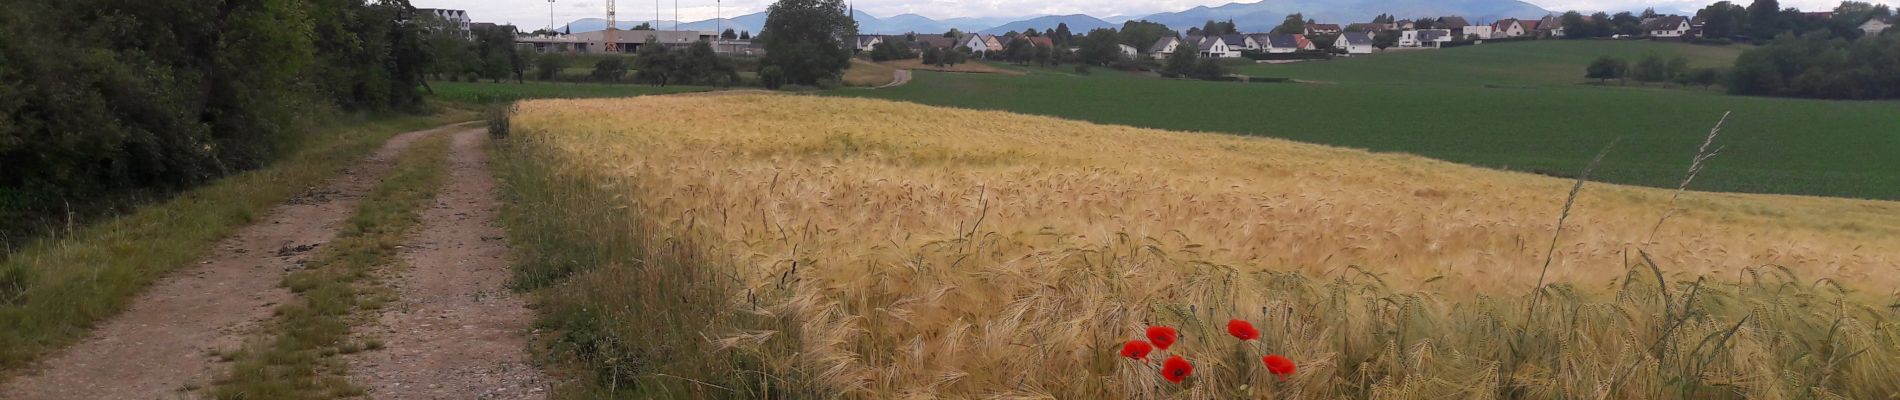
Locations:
{"points": [[1162, 336], [1176, 369], [1137, 350], [1242, 330], [1279, 366]]}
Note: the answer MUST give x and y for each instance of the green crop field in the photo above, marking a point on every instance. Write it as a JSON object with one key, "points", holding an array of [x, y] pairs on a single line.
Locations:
{"points": [[1519, 106], [484, 92]]}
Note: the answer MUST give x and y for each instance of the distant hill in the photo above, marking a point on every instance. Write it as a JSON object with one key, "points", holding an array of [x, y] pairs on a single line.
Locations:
{"points": [[1251, 17], [1265, 15], [1078, 24]]}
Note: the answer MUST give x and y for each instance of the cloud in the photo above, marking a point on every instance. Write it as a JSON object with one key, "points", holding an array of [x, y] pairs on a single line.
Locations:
{"points": [[530, 14]]}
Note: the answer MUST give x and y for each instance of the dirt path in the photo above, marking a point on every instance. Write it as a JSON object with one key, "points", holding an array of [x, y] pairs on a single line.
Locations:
{"points": [[164, 343], [456, 332], [898, 78]]}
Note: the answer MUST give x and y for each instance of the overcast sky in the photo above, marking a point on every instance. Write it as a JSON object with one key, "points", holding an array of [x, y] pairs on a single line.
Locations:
{"points": [[531, 14]]}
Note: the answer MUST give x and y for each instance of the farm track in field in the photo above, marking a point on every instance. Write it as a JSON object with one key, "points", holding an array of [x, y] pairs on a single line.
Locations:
{"points": [[166, 341]]}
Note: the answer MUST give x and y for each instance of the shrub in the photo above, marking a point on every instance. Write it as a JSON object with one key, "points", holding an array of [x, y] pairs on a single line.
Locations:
{"points": [[771, 77]]}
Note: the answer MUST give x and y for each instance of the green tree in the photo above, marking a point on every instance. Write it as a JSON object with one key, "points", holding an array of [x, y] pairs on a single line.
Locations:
{"points": [[609, 69], [806, 39], [1208, 68], [1650, 68], [729, 34], [1765, 19], [1625, 23], [933, 56], [698, 64], [653, 64], [1293, 25], [1062, 36], [549, 66], [1723, 20], [1141, 34], [1606, 68], [1181, 62], [1385, 39], [1101, 46]]}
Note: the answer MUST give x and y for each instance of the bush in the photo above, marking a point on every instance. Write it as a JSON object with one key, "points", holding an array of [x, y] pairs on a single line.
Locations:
{"points": [[548, 66], [498, 116], [771, 77]]}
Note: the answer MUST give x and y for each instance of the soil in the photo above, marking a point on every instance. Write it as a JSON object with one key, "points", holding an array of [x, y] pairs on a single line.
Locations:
{"points": [[456, 331], [167, 341]]}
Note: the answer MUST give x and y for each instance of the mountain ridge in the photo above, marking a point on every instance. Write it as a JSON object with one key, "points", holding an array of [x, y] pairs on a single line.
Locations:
{"points": [[1251, 17]]}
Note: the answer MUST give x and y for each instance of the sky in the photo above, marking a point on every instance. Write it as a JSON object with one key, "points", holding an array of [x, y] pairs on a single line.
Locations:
{"points": [[533, 14]]}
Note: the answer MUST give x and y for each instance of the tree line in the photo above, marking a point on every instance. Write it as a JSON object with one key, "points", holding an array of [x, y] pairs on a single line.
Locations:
{"points": [[109, 99]]}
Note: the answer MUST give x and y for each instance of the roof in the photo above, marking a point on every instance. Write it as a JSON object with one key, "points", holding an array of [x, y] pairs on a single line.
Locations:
{"points": [[1663, 23], [1284, 41], [1357, 38], [1303, 43], [1529, 25], [1453, 21], [1235, 39], [1043, 41], [1505, 24], [1162, 45], [1432, 35], [1208, 42]]}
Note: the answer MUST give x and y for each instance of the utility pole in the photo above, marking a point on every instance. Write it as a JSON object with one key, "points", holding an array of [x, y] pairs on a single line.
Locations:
{"points": [[550, 15]]}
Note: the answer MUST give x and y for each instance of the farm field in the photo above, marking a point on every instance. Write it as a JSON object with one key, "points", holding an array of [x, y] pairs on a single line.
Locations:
{"points": [[1515, 106], [810, 247], [487, 93]]}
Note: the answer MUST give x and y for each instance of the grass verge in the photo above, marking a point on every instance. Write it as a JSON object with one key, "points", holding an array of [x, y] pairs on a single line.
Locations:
{"points": [[296, 362], [52, 291], [594, 267]]}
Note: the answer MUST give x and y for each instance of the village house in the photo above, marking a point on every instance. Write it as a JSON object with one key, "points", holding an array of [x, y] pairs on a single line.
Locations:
{"points": [[1403, 25], [1669, 26], [1551, 26], [1164, 47], [1354, 42], [627, 41], [934, 41], [1428, 38], [975, 42], [1508, 28], [1281, 44], [992, 43], [866, 43], [1322, 29], [1217, 47], [1877, 26], [1129, 52]]}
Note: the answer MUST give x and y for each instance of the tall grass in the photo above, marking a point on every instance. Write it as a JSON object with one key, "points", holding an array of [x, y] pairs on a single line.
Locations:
{"points": [[296, 360], [52, 291], [771, 246]]}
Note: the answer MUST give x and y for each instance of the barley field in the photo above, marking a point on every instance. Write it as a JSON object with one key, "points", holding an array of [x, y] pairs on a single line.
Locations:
{"points": [[768, 246]]}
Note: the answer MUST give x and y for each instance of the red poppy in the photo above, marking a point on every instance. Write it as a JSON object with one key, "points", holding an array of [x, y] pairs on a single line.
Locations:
{"points": [[1162, 336], [1242, 330], [1136, 349], [1279, 366], [1176, 369]]}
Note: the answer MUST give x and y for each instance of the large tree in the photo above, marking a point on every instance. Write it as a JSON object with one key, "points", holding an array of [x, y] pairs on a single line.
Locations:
{"points": [[1723, 20], [805, 39], [1141, 34], [1100, 47], [1765, 19], [1293, 25]]}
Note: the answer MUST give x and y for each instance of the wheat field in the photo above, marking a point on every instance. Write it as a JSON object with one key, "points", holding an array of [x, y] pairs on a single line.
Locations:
{"points": [[770, 246]]}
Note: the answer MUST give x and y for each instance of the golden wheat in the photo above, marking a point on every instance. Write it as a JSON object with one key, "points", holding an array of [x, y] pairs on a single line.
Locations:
{"points": [[918, 252]]}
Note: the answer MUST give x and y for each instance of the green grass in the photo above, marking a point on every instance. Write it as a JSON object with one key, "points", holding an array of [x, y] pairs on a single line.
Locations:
{"points": [[1518, 106], [298, 361], [53, 291], [487, 93]]}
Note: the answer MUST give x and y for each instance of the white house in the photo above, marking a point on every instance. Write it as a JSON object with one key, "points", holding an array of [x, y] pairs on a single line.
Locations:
{"points": [[1508, 28], [456, 18], [1281, 44], [866, 43], [975, 43], [1478, 31], [1673, 26], [1217, 47], [1354, 42], [1129, 52], [1164, 47], [1424, 37], [1877, 26]]}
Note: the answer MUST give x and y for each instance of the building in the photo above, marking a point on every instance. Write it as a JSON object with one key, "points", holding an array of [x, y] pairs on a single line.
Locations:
{"points": [[1478, 32], [934, 41], [975, 42], [992, 43], [1354, 42], [1217, 47], [1551, 26], [1322, 29], [1877, 26], [1508, 28], [628, 41], [1428, 38], [457, 19], [1671, 26], [866, 43], [1282, 44], [1164, 47], [1129, 52]]}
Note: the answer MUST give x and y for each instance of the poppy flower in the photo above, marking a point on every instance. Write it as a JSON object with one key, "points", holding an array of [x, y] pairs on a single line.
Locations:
{"points": [[1136, 349], [1242, 330], [1176, 369], [1279, 366], [1162, 336]]}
